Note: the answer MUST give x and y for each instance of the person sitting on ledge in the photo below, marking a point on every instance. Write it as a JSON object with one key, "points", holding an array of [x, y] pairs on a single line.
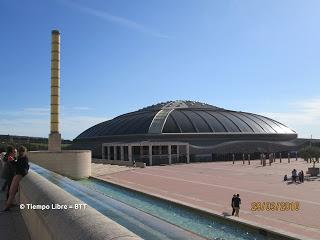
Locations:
{"points": [[301, 176], [2, 154], [21, 170], [285, 178], [294, 175], [8, 169]]}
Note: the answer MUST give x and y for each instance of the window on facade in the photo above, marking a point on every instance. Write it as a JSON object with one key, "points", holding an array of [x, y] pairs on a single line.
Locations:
{"points": [[118, 153], [125, 153], [164, 150], [145, 150], [155, 150], [105, 152], [136, 150], [111, 153], [174, 149]]}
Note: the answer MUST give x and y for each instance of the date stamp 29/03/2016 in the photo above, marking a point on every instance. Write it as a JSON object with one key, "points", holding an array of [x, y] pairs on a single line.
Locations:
{"points": [[275, 206]]}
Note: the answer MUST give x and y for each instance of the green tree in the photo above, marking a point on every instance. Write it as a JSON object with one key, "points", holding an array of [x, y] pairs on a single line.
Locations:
{"points": [[310, 152]]}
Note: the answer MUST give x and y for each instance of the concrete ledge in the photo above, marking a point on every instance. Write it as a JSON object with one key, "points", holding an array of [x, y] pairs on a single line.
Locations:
{"points": [[118, 162], [74, 164], [71, 224]]}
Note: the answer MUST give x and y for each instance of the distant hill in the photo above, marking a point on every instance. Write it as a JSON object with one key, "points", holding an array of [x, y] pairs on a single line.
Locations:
{"points": [[32, 143]]}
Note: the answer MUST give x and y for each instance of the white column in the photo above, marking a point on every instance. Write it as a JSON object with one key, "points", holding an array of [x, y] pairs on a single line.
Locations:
{"points": [[130, 153], [121, 153], [115, 157], [178, 153], [150, 155], [188, 153], [169, 152]]}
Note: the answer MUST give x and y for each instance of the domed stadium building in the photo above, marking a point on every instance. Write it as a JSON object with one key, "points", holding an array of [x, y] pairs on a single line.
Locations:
{"points": [[186, 131]]}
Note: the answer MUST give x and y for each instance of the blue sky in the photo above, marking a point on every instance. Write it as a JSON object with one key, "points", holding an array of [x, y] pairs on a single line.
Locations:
{"points": [[121, 55]]}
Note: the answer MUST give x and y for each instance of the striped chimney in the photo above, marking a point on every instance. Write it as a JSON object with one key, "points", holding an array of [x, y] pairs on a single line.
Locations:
{"points": [[55, 137]]}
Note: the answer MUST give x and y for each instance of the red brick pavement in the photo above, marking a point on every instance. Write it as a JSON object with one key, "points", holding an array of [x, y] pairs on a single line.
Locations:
{"points": [[210, 186]]}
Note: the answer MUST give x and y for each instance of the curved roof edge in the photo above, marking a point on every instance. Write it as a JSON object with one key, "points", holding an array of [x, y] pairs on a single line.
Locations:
{"points": [[186, 117]]}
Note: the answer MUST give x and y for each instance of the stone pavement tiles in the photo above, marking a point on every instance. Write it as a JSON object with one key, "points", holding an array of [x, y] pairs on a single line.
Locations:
{"points": [[12, 226], [211, 185]]}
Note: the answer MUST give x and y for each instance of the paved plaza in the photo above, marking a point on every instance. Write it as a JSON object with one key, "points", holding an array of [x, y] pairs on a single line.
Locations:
{"points": [[210, 186]]}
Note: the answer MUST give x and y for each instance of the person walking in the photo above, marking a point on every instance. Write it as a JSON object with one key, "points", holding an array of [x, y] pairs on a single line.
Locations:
{"points": [[236, 204], [21, 170], [232, 203], [302, 176]]}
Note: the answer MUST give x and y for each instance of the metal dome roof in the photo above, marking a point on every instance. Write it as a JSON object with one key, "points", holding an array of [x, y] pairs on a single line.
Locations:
{"points": [[186, 117]]}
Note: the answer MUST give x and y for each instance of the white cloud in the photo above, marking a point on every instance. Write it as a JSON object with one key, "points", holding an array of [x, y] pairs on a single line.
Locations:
{"points": [[302, 116], [36, 111], [81, 108], [104, 15], [36, 122], [72, 126], [24, 126]]}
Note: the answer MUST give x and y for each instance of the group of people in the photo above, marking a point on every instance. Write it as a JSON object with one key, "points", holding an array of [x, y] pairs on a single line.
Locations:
{"points": [[295, 176], [15, 166], [235, 204]]}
